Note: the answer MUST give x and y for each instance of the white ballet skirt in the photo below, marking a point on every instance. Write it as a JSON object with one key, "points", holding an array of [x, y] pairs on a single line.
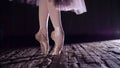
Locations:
{"points": [[77, 6]]}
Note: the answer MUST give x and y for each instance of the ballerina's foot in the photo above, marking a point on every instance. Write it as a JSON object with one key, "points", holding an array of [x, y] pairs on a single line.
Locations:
{"points": [[44, 43], [58, 38]]}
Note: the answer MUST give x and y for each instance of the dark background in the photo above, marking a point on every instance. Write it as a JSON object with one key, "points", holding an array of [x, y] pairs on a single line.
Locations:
{"points": [[19, 23]]}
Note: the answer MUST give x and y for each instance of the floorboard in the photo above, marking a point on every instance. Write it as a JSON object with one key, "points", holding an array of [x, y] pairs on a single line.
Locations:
{"points": [[101, 54]]}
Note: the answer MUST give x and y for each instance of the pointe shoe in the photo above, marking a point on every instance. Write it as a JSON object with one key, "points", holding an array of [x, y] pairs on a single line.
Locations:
{"points": [[58, 38], [44, 43]]}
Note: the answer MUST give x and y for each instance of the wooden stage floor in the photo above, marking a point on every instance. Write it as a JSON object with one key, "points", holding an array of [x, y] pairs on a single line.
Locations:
{"points": [[101, 54]]}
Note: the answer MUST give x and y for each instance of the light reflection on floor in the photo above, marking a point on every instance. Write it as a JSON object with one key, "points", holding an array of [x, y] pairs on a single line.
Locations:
{"points": [[116, 40]]}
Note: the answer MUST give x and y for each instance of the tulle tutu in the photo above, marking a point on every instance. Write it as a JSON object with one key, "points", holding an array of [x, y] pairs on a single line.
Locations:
{"points": [[77, 6]]}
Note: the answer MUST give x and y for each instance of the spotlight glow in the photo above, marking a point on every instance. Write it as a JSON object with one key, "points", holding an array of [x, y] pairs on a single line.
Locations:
{"points": [[117, 41]]}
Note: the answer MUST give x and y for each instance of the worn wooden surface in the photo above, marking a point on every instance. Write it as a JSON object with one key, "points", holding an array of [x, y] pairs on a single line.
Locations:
{"points": [[101, 54]]}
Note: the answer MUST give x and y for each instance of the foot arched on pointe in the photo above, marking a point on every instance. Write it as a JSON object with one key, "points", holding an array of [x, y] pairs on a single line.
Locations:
{"points": [[58, 38], [44, 42]]}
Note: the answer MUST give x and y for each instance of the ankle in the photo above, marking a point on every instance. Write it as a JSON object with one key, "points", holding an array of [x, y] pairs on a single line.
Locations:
{"points": [[58, 35], [59, 30], [43, 31]]}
